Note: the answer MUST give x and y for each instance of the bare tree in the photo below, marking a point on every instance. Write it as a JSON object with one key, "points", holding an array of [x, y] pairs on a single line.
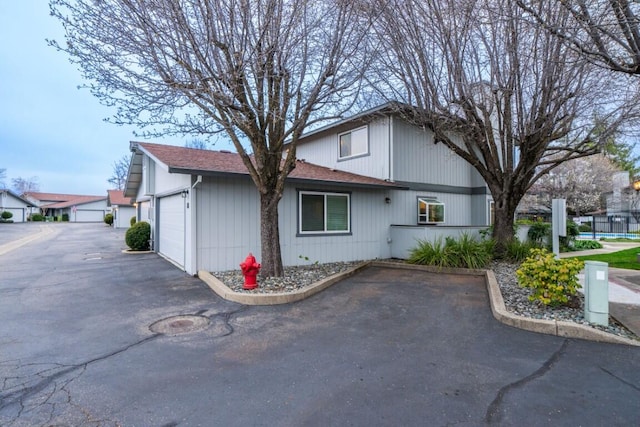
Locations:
{"points": [[25, 185], [3, 176], [259, 70], [581, 182], [120, 171], [196, 143], [507, 96], [605, 31]]}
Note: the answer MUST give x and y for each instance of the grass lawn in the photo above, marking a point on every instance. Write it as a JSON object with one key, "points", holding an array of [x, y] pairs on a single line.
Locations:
{"points": [[627, 258]]}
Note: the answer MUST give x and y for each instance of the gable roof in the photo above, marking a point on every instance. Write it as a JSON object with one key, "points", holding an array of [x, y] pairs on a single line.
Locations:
{"points": [[77, 200], [116, 197], [224, 163], [55, 200], [16, 196]]}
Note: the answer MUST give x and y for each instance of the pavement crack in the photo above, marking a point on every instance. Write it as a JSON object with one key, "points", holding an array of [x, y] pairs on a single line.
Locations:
{"points": [[226, 319], [23, 392], [622, 380], [492, 415]]}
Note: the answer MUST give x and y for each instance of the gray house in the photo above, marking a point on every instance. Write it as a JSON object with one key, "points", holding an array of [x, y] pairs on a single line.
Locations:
{"points": [[19, 207], [362, 188]]}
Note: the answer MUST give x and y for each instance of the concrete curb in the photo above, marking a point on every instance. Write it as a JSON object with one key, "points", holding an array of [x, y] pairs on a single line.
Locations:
{"points": [[275, 298], [549, 327], [498, 308]]}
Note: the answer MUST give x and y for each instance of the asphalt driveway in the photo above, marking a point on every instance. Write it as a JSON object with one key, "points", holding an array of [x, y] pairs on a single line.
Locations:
{"points": [[384, 347]]}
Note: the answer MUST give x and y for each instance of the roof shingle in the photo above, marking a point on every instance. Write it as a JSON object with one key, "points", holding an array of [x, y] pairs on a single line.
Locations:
{"points": [[190, 160]]}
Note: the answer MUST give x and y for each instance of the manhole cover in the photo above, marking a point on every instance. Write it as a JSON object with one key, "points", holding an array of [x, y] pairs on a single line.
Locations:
{"points": [[177, 325]]}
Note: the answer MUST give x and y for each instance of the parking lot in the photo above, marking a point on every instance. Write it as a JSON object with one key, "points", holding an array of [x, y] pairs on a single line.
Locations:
{"points": [[90, 336]]}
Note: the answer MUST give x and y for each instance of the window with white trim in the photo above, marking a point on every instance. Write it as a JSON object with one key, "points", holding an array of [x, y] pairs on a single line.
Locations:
{"points": [[324, 212], [353, 143], [430, 211]]}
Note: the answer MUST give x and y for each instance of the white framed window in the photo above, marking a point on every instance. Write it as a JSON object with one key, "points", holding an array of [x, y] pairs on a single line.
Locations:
{"points": [[353, 143], [430, 211], [321, 213]]}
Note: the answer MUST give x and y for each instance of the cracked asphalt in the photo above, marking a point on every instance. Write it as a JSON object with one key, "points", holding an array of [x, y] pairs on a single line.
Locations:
{"points": [[384, 347]]}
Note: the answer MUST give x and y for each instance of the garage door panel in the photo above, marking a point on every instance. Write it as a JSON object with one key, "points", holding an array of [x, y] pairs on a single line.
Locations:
{"points": [[171, 228], [87, 216]]}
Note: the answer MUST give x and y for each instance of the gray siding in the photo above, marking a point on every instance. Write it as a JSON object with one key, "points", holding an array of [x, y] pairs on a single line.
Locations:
{"points": [[417, 159], [323, 150], [404, 207], [369, 230], [229, 227]]}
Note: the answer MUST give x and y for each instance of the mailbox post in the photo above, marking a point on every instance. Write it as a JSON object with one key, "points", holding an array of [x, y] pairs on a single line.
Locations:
{"points": [[596, 292]]}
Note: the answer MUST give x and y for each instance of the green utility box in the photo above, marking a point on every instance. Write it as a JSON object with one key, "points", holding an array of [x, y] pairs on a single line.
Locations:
{"points": [[596, 292]]}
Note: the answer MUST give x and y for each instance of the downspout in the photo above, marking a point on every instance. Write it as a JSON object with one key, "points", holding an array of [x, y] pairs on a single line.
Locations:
{"points": [[193, 267]]}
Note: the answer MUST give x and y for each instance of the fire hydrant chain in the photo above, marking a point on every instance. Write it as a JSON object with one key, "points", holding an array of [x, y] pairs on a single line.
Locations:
{"points": [[250, 269]]}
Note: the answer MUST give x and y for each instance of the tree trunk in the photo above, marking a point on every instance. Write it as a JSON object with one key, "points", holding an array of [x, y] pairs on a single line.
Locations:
{"points": [[270, 236], [503, 226]]}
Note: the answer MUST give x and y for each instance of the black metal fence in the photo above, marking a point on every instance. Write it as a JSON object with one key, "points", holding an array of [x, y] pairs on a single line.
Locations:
{"points": [[619, 224]]}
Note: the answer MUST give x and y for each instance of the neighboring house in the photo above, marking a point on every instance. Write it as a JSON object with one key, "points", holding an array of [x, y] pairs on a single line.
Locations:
{"points": [[121, 207], [79, 208], [19, 207], [363, 188]]}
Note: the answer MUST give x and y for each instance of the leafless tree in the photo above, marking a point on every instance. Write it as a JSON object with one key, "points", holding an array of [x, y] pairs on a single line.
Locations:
{"points": [[199, 144], [606, 31], [507, 96], [120, 171], [25, 185], [259, 70], [3, 176], [581, 182]]}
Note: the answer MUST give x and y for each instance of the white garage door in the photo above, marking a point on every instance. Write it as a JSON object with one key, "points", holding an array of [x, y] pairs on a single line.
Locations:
{"points": [[81, 215], [171, 228]]}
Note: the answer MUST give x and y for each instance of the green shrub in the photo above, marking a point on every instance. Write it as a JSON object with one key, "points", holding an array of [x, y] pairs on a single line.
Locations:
{"points": [[65, 217], [567, 242], [553, 280], [583, 245], [37, 217], [132, 220], [108, 219], [518, 251], [539, 233], [6, 216], [465, 252], [585, 227], [137, 237]]}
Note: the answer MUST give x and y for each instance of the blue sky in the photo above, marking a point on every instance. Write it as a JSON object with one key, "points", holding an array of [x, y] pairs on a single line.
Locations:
{"points": [[48, 127]]}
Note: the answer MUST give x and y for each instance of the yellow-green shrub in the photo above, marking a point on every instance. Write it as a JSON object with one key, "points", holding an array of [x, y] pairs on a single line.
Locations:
{"points": [[553, 280]]}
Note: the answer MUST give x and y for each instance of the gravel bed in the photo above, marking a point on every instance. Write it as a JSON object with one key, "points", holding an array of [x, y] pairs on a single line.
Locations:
{"points": [[294, 278], [515, 298]]}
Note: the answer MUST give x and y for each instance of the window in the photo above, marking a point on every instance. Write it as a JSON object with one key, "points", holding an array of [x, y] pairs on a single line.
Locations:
{"points": [[353, 143], [323, 212], [430, 211]]}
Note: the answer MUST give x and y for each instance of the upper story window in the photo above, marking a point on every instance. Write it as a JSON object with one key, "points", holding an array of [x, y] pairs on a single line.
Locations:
{"points": [[430, 211], [323, 212], [353, 143]]}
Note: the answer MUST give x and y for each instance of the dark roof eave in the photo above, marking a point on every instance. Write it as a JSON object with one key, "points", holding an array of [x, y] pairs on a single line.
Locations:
{"points": [[389, 186]]}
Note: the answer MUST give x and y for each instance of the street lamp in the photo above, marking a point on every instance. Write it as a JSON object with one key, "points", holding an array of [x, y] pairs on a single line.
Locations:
{"points": [[636, 185]]}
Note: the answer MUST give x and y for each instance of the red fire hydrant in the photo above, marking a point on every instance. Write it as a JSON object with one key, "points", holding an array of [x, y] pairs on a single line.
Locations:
{"points": [[250, 269]]}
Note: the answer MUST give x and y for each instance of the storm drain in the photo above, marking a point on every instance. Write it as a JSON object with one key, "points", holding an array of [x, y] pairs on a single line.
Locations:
{"points": [[177, 325]]}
